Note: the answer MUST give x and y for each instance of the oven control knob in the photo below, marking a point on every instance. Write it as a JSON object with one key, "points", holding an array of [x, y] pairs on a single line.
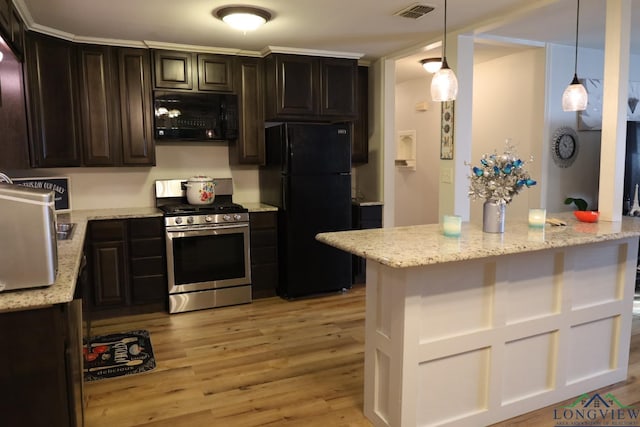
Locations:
{"points": [[226, 217], [208, 218], [237, 217], [190, 220], [178, 220]]}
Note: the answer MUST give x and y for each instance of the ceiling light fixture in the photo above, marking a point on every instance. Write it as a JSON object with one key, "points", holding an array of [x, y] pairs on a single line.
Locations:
{"points": [[575, 96], [244, 18], [431, 65], [444, 84]]}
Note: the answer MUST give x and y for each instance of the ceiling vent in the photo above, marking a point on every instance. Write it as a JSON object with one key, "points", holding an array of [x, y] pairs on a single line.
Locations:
{"points": [[415, 11]]}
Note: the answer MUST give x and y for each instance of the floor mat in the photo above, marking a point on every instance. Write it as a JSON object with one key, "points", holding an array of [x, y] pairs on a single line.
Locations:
{"points": [[115, 355]]}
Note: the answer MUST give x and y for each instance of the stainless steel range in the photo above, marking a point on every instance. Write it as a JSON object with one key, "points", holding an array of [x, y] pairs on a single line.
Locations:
{"points": [[208, 260]]}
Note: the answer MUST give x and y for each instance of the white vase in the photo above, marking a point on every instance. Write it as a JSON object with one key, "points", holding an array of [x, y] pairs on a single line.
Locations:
{"points": [[493, 214]]}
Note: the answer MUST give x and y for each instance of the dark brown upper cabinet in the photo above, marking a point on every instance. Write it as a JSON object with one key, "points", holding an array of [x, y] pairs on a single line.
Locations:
{"points": [[14, 140], [192, 71], [5, 15], [52, 98], [100, 121], [115, 93], [338, 87], [172, 70], [12, 28], [360, 134], [136, 112], [300, 87], [249, 146], [215, 73]]}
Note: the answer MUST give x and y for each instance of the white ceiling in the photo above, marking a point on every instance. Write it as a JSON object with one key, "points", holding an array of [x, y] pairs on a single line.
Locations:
{"points": [[367, 27]]}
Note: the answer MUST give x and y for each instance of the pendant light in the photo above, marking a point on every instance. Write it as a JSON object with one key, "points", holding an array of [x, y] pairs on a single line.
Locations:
{"points": [[575, 95], [444, 84]]}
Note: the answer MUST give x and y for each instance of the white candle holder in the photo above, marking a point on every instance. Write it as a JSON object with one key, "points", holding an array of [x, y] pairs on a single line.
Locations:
{"points": [[452, 225], [537, 218]]}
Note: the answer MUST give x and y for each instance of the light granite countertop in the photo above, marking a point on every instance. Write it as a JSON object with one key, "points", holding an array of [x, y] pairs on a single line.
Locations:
{"points": [[420, 245], [258, 207], [70, 256], [69, 259]]}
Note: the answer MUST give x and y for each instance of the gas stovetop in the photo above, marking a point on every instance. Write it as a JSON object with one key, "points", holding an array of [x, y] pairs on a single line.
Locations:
{"points": [[214, 208]]}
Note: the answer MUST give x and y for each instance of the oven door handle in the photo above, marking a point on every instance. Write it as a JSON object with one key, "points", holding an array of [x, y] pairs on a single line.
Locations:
{"points": [[205, 228]]}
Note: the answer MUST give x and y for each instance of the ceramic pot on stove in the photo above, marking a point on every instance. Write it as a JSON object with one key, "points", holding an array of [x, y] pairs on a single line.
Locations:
{"points": [[200, 190]]}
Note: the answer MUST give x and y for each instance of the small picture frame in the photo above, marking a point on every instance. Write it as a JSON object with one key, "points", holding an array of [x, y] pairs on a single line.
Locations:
{"points": [[446, 130]]}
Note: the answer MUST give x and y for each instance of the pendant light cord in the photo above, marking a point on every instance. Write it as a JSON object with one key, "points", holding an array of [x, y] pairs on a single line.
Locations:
{"points": [[575, 70], [444, 37]]}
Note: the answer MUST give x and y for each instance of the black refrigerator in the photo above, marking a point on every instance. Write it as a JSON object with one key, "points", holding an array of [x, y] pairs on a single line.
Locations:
{"points": [[307, 175]]}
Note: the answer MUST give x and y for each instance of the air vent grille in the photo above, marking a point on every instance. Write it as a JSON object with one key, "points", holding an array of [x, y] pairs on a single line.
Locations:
{"points": [[415, 11]]}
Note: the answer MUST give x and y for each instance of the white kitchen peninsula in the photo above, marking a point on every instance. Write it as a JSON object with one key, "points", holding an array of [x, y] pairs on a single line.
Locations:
{"points": [[472, 330]]}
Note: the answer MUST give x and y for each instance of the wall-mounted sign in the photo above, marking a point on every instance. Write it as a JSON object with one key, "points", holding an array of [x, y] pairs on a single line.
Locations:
{"points": [[59, 185]]}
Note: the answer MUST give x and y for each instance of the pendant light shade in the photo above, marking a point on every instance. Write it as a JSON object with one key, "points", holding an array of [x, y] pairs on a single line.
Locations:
{"points": [[575, 96], [444, 84]]}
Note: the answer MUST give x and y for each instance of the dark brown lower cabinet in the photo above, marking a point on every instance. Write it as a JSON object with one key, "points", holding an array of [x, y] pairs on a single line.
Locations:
{"points": [[41, 358], [126, 267], [264, 254], [363, 217]]}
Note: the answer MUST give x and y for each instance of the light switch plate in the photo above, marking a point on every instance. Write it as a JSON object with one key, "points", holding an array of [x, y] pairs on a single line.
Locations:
{"points": [[446, 176]]}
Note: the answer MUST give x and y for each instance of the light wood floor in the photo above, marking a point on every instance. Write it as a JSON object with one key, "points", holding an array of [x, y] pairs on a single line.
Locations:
{"points": [[269, 363]]}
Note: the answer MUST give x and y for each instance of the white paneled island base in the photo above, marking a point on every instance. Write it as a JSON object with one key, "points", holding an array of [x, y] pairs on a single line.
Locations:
{"points": [[483, 328]]}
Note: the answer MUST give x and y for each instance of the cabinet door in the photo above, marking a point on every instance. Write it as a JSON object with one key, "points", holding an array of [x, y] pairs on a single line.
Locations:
{"points": [[53, 104], [148, 261], [5, 17], [249, 147], [100, 121], [109, 262], [215, 73], [264, 254], [297, 85], [338, 88], [17, 32], [138, 145], [360, 135], [13, 142], [173, 70]]}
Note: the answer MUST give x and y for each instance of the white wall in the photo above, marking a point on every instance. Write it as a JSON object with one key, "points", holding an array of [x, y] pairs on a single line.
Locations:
{"points": [[509, 102], [416, 192], [97, 188], [581, 178]]}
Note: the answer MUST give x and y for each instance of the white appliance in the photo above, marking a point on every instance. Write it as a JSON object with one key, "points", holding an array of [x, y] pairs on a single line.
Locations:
{"points": [[29, 255]]}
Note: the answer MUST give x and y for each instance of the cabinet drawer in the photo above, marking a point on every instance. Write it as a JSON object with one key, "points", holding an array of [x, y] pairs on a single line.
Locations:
{"points": [[264, 280], [147, 247], [108, 230], [264, 255], [147, 266], [261, 238], [149, 289], [263, 220], [371, 213], [370, 224], [147, 227]]}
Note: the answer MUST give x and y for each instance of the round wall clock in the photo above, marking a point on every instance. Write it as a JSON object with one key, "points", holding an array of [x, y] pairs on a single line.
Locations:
{"points": [[564, 146]]}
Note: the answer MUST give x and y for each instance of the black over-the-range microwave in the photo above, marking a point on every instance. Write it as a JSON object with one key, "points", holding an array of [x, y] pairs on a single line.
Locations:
{"points": [[195, 116]]}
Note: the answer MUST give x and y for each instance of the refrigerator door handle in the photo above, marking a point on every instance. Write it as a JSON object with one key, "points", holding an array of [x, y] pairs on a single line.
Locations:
{"points": [[284, 194]]}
